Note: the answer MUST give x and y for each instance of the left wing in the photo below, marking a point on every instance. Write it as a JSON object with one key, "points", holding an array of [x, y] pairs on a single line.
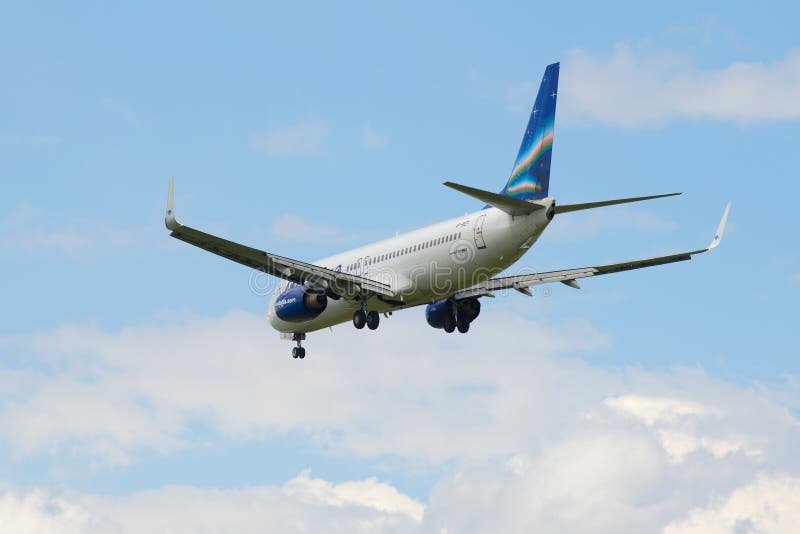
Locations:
{"points": [[568, 276], [322, 278]]}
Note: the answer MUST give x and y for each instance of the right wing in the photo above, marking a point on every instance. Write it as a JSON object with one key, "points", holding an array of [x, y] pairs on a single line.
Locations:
{"points": [[568, 276], [300, 272]]}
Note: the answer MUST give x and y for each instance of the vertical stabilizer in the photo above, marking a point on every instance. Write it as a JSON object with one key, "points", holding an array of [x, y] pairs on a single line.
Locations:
{"points": [[530, 178]]}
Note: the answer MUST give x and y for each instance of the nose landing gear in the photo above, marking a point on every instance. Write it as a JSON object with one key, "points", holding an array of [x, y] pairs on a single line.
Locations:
{"points": [[298, 351]]}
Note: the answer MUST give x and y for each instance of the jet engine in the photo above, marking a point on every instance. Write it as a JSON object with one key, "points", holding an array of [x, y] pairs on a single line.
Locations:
{"points": [[299, 303], [441, 314], [449, 316]]}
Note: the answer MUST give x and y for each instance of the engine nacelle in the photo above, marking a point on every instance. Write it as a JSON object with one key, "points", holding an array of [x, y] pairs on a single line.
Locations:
{"points": [[439, 312], [299, 303]]}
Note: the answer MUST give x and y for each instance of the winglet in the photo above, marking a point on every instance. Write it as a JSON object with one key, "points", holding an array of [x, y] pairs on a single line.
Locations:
{"points": [[169, 216], [720, 228]]}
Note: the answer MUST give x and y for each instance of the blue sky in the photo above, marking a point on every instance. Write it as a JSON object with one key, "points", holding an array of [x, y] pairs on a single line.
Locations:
{"points": [[307, 129]]}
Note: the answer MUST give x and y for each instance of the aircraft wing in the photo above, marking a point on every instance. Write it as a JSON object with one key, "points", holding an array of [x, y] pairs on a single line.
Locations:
{"points": [[568, 276], [300, 272]]}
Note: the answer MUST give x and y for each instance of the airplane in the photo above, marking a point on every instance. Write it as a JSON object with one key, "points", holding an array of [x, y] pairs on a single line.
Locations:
{"points": [[447, 266]]}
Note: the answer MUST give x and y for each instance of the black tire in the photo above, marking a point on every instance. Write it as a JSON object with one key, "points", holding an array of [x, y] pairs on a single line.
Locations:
{"points": [[301, 353], [449, 325], [373, 320], [463, 327], [295, 352], [359, 319]]}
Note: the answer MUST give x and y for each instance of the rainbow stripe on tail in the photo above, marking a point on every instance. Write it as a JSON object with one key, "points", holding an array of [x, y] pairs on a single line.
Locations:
{"points": [[530, 178]]}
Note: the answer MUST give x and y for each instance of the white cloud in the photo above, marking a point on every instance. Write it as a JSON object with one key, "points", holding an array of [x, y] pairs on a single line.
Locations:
{"points": [[305, 138], [368, 493], [38, 513], [677, 421], [657, 409], [768, 504], [373, 139], [303, 504], [537, 440], [217, 370], [679, 444], [635, 86], [624, 490]]}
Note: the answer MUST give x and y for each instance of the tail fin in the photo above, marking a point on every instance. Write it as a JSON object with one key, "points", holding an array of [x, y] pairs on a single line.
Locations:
{"points": [[530, 178]]}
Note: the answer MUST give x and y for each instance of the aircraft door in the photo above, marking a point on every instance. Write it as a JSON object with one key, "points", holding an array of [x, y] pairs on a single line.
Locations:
{"points": [[480, 243]]}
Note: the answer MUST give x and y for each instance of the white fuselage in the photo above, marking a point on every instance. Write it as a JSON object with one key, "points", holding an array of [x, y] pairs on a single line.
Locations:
{"points": [[428, 264]]}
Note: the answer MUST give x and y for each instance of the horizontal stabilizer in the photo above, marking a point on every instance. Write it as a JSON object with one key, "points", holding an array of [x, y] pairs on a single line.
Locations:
{"points": [[566, 208], [510, 205]]}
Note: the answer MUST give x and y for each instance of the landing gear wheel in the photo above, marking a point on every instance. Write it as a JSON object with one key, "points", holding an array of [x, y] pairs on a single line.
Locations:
{"points": [[359, 319], [463, 327], [449, 325], [373, 320], [298, 351]]}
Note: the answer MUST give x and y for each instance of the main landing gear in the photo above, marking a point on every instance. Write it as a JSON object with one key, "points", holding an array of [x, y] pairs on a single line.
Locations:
{"points": [[451, 324], [298, 351], [362, 317], [463, 326], [450, 315]]}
